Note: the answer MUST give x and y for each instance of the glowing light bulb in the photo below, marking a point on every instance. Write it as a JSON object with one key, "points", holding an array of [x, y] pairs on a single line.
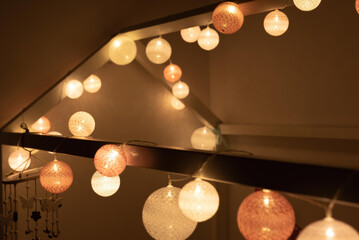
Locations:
{"points": [[105, 186], [172, 73], [191, 34], [276, 23], [42, 125], [158, 50], [306, 5], [56, 176], [110, 160], [198, 200], [177, 104], [266, 215], [328, 229], [180, 90], [208, 39], [203, 138], [122, 50], [74, 89], [227, 17], [162, 217], [92, 84], [19, 160], [81, 124]]}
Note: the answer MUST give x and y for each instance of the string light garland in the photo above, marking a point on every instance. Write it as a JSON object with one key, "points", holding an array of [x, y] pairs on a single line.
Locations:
{"points": [[73, 89], [162, 217], [177, 104], [306, 5], [266, 215], [19, 160], [276, 23], [227, 17], [203, 138], [158, 50], [172, 73], [105, 186], [122, 50], [208, 39], [180, 90], [42, 125], [191, 34], [81, 124], [110, 160], [92, 84]]}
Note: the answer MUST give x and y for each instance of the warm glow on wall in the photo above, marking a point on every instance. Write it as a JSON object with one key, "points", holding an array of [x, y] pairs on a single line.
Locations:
{"points": [[122, 50], [110, 160], [163, 219], [276, 23], [172, 72], [208, 39], [177, 104], [180, 90], [81, 124], [328, 229], [227, 17], [203, 138], [92, 84], [191, 34], [158, 50], [104, 186], [19, 160], [73, 89], [198, 200], [42, 125], [56, 176], [306, 5], [266, 215]]}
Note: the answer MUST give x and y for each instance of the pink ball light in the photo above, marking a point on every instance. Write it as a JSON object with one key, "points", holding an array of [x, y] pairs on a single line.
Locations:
{"points": [[110, 160], [56, 176]]}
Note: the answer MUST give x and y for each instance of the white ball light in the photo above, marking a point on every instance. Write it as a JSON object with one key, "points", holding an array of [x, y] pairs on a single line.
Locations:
{"points": [[203, 138], [105, 186], [328, 229], [198, 200], [92, 84], [177, 104], [74, 89], [19, 160], [162, 217], [81, 124], [122, 50], [208, 39], [276, 23], [158, 50], [191, 34], [180, 90], [307, 5]]}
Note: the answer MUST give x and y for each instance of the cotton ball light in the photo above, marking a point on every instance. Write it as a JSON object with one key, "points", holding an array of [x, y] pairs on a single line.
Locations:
{"points": [[122, 50], [276, 23], [105, 186], [208, 39], [227, 17], [162, 217], [198, 200], [74, 89], [306, 5], [81, 124], [180, 90], [328, 229], [191, 34], [92, 84], [172, 73], [56, 176], [158, 50], [42, 125], [19, 160], [203, 138], [110, 160], [266, 215], [177, 104]]}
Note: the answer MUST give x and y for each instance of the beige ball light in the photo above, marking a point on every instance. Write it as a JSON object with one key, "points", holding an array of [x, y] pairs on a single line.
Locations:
{"points": [[276, 23], [74, 89], [42, 125], [158, 50], [208, 39], [198, 200], [81, 124], [163, 219], [203, 138], [306, 5], [328, 229], [92, 84], [19, 160], [177, 104], [122, 50], [105, 186], [191, 34], [180, 90]]}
